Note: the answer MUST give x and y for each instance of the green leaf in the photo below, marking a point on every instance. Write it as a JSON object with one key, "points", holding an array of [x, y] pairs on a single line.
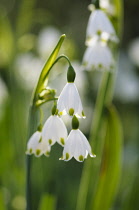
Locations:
{"points": [[111, 163], [43, 80], [2, 203], [118, 5], [6, 41], [25, 17], [47, 202]]}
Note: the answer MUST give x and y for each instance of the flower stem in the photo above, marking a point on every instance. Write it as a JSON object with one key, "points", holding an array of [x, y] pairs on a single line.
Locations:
{"points": [[33, 123], [88, 178]]}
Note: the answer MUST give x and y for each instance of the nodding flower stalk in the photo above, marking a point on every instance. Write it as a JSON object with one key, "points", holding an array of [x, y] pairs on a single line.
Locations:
{"points": [[41, 95], [99, 30], [43, 137]]}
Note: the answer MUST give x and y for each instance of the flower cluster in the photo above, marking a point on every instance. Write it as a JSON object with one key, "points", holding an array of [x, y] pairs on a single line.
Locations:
{"points": [[99, 31], [54, 130]]}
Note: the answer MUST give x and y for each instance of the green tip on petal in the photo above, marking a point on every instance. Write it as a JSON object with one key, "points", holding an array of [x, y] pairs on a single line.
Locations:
{"points": [[81, 158], [30, 150], [40, 140], [47, 153], [71, 112], [92, 155], [83, 114], [50, 141], [61, 158], [38, 151], [60, 113], [67, 156], [75, 123], [62, 141], [100, 65], [99, 32]]}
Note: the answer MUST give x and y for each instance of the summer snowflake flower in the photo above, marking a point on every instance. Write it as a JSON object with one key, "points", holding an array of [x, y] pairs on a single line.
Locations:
{"points": [[69, 101], [98, 56], [99, 24], [37, 146], [54, 130], [76, 146]]}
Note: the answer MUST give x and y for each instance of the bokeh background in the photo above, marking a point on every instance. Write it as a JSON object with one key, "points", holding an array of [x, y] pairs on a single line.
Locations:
{"points": [[29, 30]]}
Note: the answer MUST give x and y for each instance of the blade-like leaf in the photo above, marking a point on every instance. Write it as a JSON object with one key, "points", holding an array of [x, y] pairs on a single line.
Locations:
{"points": [[47, 202], [2, 204], [111, 163], [6, 41], [43, 80]]}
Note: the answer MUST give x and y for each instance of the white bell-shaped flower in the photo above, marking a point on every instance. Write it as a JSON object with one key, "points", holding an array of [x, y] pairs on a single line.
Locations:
{"points": [[69, 101], [99, 24], [98, 57], [76, 146], [37, 146], [54, 130]]}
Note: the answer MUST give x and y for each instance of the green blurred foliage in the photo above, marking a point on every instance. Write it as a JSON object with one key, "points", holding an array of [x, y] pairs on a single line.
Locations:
{"points": [[54, 181]]}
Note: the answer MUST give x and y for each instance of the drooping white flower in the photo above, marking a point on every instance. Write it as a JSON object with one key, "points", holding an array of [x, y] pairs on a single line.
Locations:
{"points": [[54, 130], [98, 57], [37, 145], [69, 101], [99, 24], [76, 146]]}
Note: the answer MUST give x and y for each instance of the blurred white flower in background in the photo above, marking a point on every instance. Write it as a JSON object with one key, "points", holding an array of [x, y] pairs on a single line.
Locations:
{"points": [[98, 57], [28, 68], [47, 40], [127, 84], [134, 51], [3, 97], [99, 25]]}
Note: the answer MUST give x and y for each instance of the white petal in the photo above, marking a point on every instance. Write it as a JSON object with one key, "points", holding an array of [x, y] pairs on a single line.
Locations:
{"points": [[98, 21], [80, 150], [70, 99], [85, 142], [60, 130]]}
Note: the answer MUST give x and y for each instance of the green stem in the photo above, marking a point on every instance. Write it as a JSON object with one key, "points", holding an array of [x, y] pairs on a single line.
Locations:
{"points": [[33, 123], [104, 97]]}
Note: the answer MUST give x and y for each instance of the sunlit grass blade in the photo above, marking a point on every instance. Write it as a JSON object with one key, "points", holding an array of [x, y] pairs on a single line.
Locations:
{"points": [[47, 202], [43, 80], [111, 163], [6, 41], [2, 204], [25, 17]]}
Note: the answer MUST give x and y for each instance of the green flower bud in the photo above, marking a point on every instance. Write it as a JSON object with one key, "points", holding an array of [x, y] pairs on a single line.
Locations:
{"points": [[71, 74], [47, 94]]}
